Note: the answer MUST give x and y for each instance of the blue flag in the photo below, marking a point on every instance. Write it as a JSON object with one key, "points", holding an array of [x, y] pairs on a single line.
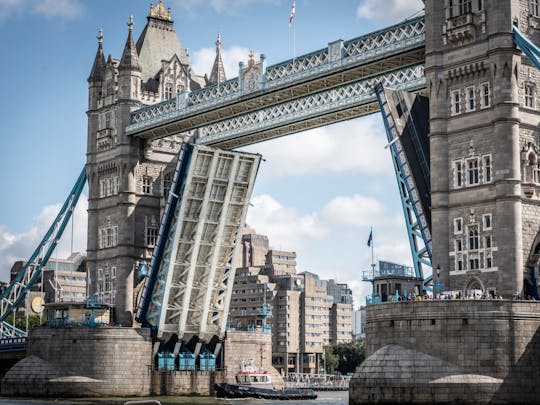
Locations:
{"points": [[370, 239]]}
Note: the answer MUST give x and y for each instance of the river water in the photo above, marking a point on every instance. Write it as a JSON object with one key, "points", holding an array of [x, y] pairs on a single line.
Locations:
{"points": [[324, 398]]}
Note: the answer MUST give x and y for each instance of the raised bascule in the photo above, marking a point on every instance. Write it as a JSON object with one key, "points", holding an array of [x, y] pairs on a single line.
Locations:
{"points": [[168, 194]]}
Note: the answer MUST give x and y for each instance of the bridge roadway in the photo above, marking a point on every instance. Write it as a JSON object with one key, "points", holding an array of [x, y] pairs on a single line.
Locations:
{"points": [[326, 86]]}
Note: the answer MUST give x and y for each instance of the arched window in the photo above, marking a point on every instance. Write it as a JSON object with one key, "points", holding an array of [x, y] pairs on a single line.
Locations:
{"points": [[168, 91]]}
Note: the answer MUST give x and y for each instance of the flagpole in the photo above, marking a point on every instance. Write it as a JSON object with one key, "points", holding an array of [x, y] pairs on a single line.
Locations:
{"points": [[372, 263], [294, 40]]}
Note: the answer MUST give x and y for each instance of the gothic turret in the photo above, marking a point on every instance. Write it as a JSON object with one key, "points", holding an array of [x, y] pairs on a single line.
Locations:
{"points": [[129, 70], [96, 75], [130, 59], [218, 70], [95, 79]]}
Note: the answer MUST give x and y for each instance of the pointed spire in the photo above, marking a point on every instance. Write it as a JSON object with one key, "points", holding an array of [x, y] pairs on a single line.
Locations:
{"points": [[218, 70], [96, 75], [130, 59]]}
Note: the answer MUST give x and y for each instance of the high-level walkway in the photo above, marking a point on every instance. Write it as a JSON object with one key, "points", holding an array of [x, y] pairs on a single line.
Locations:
{"points": [[326, 86]]}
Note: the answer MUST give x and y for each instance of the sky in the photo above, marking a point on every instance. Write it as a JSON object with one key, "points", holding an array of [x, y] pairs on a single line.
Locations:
{"points": [[318, 193]]}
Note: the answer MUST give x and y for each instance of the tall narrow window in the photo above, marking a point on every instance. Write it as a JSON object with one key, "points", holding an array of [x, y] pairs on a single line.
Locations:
{"points": [[456, 102], [108, 120], [485, 95], [534, 8], [167, 183], [472, 171], [168, 91], [486, 222], [487, 242], [147, 185], [464, 6], [458, 225], [459, 246], [529, 96], [459, 265], [458, 173], [487, 169], [473, 237], [470, 98]]}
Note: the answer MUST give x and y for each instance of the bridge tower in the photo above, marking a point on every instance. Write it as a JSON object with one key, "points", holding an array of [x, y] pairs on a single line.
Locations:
{"points": [[484, 141], [128, 178]]}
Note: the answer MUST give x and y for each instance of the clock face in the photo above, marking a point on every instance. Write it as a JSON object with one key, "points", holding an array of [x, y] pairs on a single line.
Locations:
{"points": [[37, 305], [298, 282]]}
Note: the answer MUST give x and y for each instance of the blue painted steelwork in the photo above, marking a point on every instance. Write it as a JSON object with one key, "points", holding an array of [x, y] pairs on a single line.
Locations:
{"points": [[27, 277], [175, 195], [528, 48], [415, 219]]}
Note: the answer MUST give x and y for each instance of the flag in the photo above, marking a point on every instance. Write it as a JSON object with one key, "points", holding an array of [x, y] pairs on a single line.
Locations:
{"points": [[293, 12], [370, 239]]}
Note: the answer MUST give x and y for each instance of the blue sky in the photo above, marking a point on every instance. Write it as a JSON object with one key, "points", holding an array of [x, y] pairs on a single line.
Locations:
{"points": [[318, 193]]}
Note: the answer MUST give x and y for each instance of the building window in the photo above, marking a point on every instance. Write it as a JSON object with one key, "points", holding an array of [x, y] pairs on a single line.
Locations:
{"points": [[458, 225], [459, 265], [458, 245], [485, 95], [474, 264], [489, 263], [470, 98], [147, 185], [107, 237], [456, 102], [168, 91], [486, 167], [113, 272], [108, 186], [167, 184], [99, 274], [458, 174], [486, 222], [487, 242], [108, 120], [473, 172], [151, 236], [534, 8], [473, 237], [529, 95]]}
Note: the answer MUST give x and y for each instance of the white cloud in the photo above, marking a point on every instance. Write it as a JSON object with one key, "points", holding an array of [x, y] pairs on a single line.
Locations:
{"points": [[393, 10], [59, 8], [14, 247], [356, 210], [203, 59], [355, 145], [64, 9], [194, 7], [284, 226]]}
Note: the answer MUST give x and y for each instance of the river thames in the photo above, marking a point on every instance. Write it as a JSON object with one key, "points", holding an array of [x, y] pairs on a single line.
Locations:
{"points": [[324, 398]]}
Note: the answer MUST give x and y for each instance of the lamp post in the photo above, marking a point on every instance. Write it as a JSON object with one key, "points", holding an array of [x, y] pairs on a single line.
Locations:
{"points": [[438, 284]]}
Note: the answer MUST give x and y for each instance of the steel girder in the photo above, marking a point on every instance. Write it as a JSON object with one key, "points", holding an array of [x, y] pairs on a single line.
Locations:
{"points": [[342, 62], [29, 274], [194, 279]]}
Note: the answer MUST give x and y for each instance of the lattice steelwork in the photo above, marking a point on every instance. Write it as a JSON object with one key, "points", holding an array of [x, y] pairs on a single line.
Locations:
{"points": [[318, 104], [29, 274], [418, 227], [382, 51], [195, 278]]}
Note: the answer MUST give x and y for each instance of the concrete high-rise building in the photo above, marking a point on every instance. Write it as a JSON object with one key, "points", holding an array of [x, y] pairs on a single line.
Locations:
{"points": [[65, 279], [280, 262], [128, 178], [304, 312]]}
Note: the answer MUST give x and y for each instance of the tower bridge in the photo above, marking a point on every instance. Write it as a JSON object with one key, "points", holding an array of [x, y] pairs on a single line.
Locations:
{"points": [[161, 192]]}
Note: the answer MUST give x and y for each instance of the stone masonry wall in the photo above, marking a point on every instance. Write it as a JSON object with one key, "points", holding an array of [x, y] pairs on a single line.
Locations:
{"points": [[83, 362]]}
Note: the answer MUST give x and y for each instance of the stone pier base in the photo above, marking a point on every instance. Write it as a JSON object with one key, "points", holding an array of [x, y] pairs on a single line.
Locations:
{"points": [[91, 362], [466, 352]]}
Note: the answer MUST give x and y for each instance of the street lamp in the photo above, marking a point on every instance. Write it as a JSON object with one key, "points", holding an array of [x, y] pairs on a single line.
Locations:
{"points": [[438, 284]]}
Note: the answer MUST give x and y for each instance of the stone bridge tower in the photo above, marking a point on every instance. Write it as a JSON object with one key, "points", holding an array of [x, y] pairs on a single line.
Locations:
{"points": [[128, 178], [485, 140]]}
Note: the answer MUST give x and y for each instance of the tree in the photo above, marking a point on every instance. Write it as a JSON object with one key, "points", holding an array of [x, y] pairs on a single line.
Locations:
{"points": [[350, 355], [331, 360]]}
